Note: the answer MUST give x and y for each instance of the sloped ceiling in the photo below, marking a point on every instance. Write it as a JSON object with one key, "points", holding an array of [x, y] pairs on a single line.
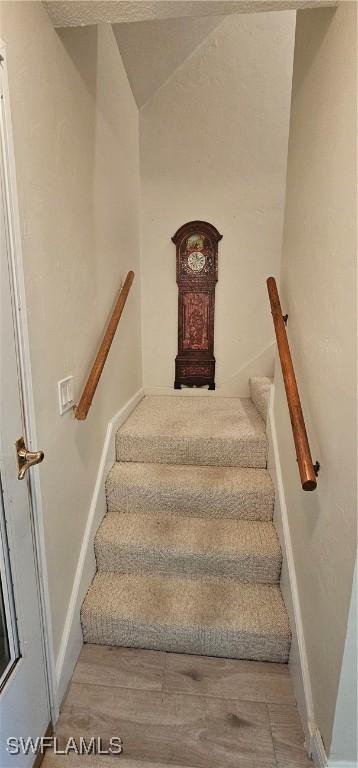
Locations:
{"points": [[74, 13], [152, 50]]}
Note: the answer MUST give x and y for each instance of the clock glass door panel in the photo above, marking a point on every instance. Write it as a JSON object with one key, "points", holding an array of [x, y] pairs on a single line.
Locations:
{"points": [[195, 322]]}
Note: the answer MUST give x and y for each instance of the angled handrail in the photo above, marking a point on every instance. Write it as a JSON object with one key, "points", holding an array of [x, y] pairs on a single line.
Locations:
{"points": [[81, 410], [308, 471]]}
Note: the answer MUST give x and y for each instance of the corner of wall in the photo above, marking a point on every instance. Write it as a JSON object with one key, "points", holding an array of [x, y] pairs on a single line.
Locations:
{"points": [[260, 365]]}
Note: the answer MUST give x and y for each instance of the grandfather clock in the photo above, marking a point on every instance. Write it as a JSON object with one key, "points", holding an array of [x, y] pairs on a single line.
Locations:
{"points": [[197, 274]]}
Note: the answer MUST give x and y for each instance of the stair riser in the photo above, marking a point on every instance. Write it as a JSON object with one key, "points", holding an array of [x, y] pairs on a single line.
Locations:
{"points": [[260, 388], [208, 452], [189, 502], [249, 568], [192, 640]]}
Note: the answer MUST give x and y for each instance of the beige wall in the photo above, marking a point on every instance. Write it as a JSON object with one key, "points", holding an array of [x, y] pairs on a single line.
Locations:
{"points": [[76, 144], [319, 293], [213, 146]]}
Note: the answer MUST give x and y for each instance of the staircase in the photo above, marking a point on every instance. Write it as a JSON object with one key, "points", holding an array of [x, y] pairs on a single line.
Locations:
{"points": [[188, 558]]}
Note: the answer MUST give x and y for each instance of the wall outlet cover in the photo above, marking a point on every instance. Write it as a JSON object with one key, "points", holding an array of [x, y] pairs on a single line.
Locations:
{"points": [[65, 394]]}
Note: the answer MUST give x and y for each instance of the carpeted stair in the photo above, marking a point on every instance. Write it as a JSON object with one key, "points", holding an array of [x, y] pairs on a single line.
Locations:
{"points": [[260, 387], [193, 430], [191, 491], [188, 558]]}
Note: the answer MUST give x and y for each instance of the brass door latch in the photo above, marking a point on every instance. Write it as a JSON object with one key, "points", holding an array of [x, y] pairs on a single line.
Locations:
{"points": [[25, 458]]}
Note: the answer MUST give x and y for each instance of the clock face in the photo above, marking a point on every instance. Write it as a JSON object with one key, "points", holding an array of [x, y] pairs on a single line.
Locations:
{"points": [[196, 261]]}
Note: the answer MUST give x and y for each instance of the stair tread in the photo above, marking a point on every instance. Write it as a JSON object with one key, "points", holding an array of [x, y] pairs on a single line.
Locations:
{"points": [[226, 431], [189, 546], [227, 418], [170, 600], [201, 491], [189, 534], [212, 616]]}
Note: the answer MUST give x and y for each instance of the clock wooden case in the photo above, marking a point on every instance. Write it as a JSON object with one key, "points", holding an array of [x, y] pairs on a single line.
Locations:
{"points": [[197, 274]]}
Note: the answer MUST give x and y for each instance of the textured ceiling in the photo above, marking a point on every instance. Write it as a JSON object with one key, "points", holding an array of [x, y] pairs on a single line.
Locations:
{"points": [[74, 13], [152, 50]]}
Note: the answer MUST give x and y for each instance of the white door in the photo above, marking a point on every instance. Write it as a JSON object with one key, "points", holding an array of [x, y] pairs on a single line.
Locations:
{"points": [[24, 699]]}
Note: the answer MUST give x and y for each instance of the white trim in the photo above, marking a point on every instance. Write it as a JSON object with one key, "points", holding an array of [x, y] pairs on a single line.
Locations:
{"points": [[26, 379], [316, 748], [236, 386], [184, 392], [71, 641], [342, 764], [289, 588], [318, 753]]}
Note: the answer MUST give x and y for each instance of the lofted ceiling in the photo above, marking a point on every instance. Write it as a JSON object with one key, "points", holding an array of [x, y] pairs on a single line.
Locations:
{"points": [[152, 50], [74, 13], [156, 36]]}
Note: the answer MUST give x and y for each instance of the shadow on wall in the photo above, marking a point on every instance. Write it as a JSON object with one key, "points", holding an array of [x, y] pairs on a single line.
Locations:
{"points": [[238, 384], [320, 23], [81, 45]]}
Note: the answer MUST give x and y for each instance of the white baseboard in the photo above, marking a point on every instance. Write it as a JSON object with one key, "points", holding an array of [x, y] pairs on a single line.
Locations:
{"points": [[71, 641], [316, 748], [342, 764], [298, 656], [185, 391], [318, 753], [237, 386]]}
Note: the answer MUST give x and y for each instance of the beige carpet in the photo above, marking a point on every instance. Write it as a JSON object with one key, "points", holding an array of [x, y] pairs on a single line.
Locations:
{"points": [[188, 546], [220, 431], [188, 558], [213, 617], [260, 388], [188, 490]]}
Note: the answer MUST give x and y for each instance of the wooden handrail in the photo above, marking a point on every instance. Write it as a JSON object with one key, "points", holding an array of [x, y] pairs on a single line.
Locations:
{"points": [[303, 453], [81, 410]]}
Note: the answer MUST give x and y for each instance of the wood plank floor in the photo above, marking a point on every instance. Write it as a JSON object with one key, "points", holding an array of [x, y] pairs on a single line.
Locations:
{"points": [[178, 711]]}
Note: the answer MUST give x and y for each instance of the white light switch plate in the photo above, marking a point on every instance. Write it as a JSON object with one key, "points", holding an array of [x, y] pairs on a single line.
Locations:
{"points": [[65, 394]]}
